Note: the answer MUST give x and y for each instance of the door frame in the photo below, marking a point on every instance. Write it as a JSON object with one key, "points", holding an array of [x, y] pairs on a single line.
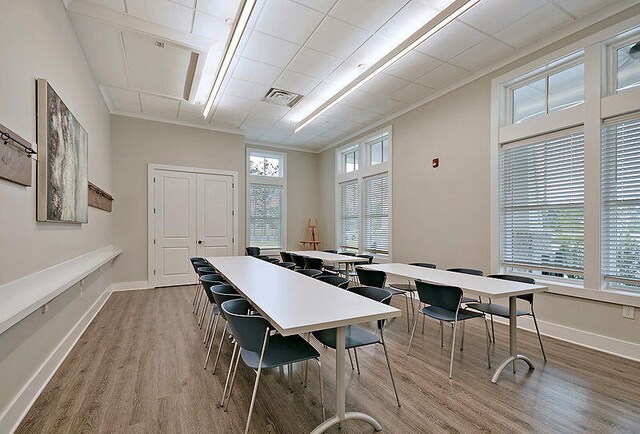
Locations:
{"points": [[151, 168]]}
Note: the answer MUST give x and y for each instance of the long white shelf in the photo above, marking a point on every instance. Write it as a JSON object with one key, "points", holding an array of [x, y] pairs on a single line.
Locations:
{"points": [[20, 298]]}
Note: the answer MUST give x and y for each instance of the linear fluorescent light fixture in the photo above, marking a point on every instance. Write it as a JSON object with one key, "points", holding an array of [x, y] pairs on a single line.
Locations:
{"points": [[450, 13], [232, 44]]}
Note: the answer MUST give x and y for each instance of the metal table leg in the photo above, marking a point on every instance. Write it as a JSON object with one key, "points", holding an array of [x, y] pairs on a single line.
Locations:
{"points": [[513, 342]]}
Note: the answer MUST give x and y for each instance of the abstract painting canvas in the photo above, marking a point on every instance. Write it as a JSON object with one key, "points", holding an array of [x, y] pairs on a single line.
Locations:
{"points": [[62, 161]]}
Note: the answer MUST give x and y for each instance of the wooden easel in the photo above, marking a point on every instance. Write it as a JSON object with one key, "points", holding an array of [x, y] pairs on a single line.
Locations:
{"points": [[311, 240]]}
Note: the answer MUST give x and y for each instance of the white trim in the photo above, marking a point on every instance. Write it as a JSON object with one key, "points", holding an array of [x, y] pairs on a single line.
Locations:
{"points": [[279, 147], [130, 286], [13, 414], [594, 341], [151, 168], [175, 122]]}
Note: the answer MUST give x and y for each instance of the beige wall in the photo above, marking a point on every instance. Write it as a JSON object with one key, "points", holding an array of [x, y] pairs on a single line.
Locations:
{"points": [[138, 142], [443, 215], [38, 41]]}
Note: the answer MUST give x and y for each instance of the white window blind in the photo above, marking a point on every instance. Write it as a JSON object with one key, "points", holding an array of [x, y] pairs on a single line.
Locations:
{"points": [[376, 214], [621, 202], [266, 216], [349, 215], [542, 205]]}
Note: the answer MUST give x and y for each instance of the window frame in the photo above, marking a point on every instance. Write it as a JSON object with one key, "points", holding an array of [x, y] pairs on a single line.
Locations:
{"points": [[268, 181], [612, 46]]}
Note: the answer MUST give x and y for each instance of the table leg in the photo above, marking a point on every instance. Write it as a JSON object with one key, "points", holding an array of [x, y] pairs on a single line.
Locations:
{"points": [[341, 415], [513, 342]]}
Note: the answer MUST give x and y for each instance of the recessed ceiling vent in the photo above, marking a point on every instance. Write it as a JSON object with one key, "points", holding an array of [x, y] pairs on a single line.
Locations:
{"points": [[282, 97]]}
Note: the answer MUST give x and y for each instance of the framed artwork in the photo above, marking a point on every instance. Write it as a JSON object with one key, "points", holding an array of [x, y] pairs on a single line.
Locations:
{"points": [[62, 186]]}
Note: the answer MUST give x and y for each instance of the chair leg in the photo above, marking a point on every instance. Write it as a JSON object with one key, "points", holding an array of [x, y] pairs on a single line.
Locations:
{"points": [[226, 383], [211, 340], [195, 294], [488, 339], [212, 317], [413, 331], [233, 380], [535, 322], [255, 386], [197, 304], [355, 353], [290, 377], [350, 359], [462, 340], [321, 388], [406, 302], [493, 330], [215, 363], [423, 318], [386, 355], [453, 347], [441, 334]]}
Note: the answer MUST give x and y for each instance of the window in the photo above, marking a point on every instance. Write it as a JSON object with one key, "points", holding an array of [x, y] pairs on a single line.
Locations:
{"points": [[349, 216], [628, 67], [542, 205], [266, 199], [376, 214], [551, 92], [363, 178], [621, 202]]}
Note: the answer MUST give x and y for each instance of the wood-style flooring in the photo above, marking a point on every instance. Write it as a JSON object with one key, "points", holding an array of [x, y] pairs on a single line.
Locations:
{"points": [[139, 369]]}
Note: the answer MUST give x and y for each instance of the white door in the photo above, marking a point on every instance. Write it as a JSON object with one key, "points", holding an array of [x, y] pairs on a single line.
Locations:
{"points": [[193, 216]]}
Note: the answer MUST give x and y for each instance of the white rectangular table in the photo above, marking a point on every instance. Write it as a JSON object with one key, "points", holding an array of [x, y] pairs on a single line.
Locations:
{"points": [[333, 258], [482, 286], [294, 304]]}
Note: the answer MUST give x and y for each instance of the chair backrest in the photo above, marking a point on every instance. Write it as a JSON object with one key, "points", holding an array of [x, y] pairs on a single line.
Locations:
{"points": [[378, 294], [205, 270], [286, 257], [423, 264], [298, 259], [197, 259], [331, 251], [338, 281], [222, 293], [253, 251], [443, 296], [314, 263], [348, 253], [369, 257], [309, 272], [521, 279], [248, 330], [289, 265], [466, 271], [209, 280], [268, 259], [371, 277], [199, 264]]}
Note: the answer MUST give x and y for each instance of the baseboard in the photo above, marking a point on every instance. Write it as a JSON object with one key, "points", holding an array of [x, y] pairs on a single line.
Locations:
{"points": [[22, 402], [130, 286], [594, 341]]}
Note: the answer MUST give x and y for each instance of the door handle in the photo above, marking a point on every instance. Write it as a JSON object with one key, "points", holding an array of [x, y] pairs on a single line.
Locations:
{"points": [[199, 241]]}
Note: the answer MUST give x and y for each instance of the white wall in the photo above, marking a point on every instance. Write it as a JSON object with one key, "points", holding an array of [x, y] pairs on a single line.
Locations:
{"points": [[37, 41]]}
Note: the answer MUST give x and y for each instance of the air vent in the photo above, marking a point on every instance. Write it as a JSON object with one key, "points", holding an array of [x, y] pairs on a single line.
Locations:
{"points": [[282, 97]]}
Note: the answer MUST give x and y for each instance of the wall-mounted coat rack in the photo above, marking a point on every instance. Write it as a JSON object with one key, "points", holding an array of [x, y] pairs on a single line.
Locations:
{"points": [[15, 157]]}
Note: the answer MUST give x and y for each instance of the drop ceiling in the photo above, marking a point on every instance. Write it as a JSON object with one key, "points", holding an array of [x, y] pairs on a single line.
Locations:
{"points": [[157, 59]]}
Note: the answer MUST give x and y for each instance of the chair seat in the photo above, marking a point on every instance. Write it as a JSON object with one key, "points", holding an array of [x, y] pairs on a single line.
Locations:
{"points": [[447, 315], [281, 350], [354, 337], [467, 300], [496, 309], [403, 286]]}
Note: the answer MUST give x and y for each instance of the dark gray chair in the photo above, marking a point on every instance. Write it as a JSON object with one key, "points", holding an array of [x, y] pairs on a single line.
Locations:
{"points": [[260, 349], [409, 286], [313, 263], [253, 251], [472, 272], [201, 271], [220, 293], [309, 272], [289, 265], [206, 280], [331, 251], [338, 281], [443, 303], [357, 336], [503, 311], [298, 259], [286, 256], [198, 263], [378, 279]]}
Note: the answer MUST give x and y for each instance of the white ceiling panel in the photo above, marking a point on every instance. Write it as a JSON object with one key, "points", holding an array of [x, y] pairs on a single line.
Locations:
{"points": [[413, 65], [117, 5], [451, 41], [388, 106], [442, 76], [407, 21], [535, 25], [353, 114], [163, 12], [257, 72], [383, 84], [337, 38], [227, 119], [295, 82], [367, 14], [371, 51], [579, 8], [269, 49], [484, 18], [192, 117], [211, 27], [314, 63], [323, 6], [193, 108], [219, 8], [288, 20], [246, 89], [236, 104], [158, 106], [479, 55], [364, 100], [124, 100], [411, 93]]}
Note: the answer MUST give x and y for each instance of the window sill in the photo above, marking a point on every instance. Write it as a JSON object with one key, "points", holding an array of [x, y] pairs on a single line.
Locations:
{"points": [[604, 296]]}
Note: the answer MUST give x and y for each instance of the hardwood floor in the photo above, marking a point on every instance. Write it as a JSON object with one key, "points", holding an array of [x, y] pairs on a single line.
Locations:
{"points": [[138, 369]]}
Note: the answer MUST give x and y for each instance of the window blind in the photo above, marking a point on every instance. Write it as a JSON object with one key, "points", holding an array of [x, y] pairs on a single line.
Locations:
{"points": [[542, 204], [376, 214], [621, 202], [349, 215], [266, 216]]}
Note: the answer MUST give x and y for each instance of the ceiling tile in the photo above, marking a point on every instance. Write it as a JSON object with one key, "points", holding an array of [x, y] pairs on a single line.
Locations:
{"points": [[535, 25], [211, 27], [413, 65], [288, 20], [269, 49], [411, 93], [297, 139], [246, 89], [125, 100], [236, 104], [226, 119], [163, 12], [367, 14], [352, 113], [389, 106], [117, 5], [158, 106], [295, 82], [192, 117], [452, 40], [257, 72], [371, 51], [407, 21], [323, 6], [442, 76], [578, 8], [224, 9], [349, 126], [314, 63], [337, 38], [187, 3], [490, 16], [383, 84], [363, 100], [479, 55], [193, 108]]}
